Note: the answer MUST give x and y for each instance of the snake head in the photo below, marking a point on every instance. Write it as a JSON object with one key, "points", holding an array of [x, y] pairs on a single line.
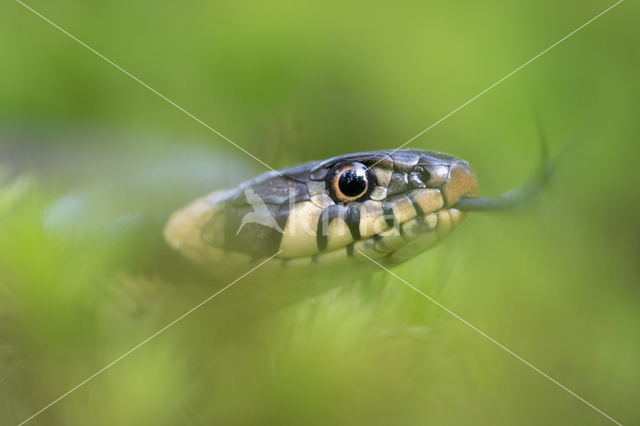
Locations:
{"points": [[327, 215]]}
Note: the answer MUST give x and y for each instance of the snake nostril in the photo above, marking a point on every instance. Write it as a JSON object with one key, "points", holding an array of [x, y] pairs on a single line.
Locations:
{"points": [[424, 175], [416, 181], [419, 177]]}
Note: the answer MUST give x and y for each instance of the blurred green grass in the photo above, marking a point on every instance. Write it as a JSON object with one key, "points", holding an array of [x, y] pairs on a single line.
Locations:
{"points": [[295, 81]]}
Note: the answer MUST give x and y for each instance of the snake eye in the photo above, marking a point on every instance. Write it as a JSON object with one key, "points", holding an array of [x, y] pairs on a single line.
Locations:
{"points": [[350, 181]]}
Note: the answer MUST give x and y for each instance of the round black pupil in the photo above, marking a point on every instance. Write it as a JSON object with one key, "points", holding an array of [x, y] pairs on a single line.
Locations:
{"points": [[353, 182]]}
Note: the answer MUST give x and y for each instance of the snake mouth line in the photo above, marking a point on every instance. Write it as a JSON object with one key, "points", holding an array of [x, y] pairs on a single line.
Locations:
{"points": [[391, 246], [413, 230]]}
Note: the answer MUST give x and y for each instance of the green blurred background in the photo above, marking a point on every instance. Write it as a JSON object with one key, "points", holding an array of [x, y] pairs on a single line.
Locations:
{"points": [[557, 283]]}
